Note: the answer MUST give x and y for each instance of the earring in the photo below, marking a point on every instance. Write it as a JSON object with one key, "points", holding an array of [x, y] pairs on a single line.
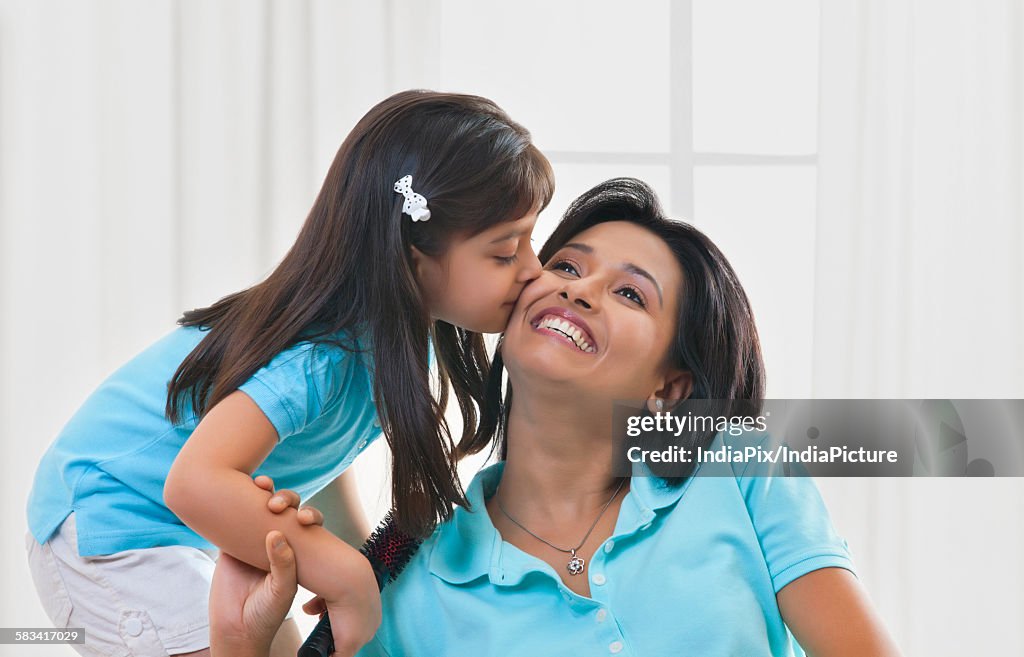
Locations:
{"points": [[659, 404]]}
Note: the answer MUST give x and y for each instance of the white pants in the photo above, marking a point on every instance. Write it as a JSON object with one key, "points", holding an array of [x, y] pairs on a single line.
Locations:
{"points": [[137, 603]]}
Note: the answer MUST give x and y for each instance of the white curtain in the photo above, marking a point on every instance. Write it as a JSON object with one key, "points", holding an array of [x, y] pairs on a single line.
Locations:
{"points": [[919, 292], [920, 285]]}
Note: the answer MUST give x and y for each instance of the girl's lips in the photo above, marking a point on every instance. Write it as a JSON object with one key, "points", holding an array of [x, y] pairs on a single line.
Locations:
{"points": [[570, 317]]}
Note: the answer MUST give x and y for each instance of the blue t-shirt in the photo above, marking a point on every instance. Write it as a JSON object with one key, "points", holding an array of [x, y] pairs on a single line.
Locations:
{"points": [[109, 463], [689, 570]]}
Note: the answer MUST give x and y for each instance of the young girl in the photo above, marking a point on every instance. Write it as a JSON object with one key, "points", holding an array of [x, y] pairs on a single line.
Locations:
{"points": [[421, 232]]}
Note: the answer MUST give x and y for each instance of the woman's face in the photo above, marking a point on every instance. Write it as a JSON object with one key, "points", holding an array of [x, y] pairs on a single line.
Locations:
{"points": [[601, 317]]}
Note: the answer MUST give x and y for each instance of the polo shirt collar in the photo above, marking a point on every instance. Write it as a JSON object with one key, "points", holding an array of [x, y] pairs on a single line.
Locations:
{"points": [[465, 545], [468, 546], [653, 493]]}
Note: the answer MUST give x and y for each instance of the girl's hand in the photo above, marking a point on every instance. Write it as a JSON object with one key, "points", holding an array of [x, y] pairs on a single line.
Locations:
{"points": [[248, 605], [353, 607], [289, 499]]}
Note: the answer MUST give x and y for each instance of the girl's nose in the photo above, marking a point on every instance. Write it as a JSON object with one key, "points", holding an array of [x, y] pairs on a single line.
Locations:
{"points": [[530, 268]]}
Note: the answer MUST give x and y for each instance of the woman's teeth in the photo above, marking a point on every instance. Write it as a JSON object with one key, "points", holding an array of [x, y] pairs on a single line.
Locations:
{"points": [[571, 331]]}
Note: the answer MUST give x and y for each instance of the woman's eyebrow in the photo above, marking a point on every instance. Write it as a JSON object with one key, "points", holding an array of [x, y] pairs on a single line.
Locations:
{"points": [[633, 269], [627, 267]]}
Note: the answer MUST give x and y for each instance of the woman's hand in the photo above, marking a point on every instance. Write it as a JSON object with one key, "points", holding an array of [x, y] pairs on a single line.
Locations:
{"points": [[289, 499], [355, 612], [248, 605], [307, 515]]}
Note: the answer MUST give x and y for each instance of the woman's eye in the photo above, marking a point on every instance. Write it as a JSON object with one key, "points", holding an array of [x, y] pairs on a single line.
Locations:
{"points": [[566, 266], [507, 260], [633, 295]]}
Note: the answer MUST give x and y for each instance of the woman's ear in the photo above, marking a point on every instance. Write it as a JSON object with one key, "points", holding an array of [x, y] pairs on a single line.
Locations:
{"points": [[678, 384]]}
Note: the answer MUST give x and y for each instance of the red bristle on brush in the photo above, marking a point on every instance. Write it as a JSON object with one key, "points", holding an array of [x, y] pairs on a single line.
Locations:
{"points": [[388, 551]]}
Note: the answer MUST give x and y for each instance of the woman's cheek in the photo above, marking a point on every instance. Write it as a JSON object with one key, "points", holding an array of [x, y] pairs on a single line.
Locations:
{"points": [[639, 337]]}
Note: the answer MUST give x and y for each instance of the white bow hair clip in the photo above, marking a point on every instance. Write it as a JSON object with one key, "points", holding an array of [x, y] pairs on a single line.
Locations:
{"points": [[415, 205]]}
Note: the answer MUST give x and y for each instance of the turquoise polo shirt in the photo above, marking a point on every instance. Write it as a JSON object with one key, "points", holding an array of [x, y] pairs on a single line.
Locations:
{"points": [[109, 463], [689, 570]]}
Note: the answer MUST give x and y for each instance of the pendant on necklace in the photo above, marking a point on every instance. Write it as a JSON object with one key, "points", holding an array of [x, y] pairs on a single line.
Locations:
{"points": [[576, 564]]}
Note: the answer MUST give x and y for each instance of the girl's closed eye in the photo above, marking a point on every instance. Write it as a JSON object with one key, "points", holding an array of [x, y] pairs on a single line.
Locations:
{"points": [[507, 260]]}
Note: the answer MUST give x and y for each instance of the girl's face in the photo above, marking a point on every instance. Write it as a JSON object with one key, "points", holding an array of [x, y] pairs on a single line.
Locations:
{"points": [[602, 316], [476, 282]]}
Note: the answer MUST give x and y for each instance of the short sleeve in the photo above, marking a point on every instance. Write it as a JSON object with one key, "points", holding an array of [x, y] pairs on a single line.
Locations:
{"points": [[792, 525], [297, 385], [375, 648]]}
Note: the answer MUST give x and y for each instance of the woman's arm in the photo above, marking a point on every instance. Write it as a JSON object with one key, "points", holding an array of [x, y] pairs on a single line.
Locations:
{"points": [[830, 615]]}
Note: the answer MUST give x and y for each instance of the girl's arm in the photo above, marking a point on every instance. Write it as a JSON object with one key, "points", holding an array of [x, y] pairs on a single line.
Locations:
{"points": [[210, 488], [830, 615]]}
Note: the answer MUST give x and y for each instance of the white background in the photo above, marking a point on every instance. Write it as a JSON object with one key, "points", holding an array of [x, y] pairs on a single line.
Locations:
{"points": [[860, 162]]}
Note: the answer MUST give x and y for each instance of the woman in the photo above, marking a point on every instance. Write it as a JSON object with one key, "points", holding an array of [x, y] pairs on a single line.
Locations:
{"points": [[558, 555]]}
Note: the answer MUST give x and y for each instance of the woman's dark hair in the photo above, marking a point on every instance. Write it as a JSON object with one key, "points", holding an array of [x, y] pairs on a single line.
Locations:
{"points": [[351, 270], [716, 340]]}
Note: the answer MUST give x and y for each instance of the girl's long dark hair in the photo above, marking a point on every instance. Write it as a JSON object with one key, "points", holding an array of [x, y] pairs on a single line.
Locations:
{"points": [[351, 270], [716, 338]]}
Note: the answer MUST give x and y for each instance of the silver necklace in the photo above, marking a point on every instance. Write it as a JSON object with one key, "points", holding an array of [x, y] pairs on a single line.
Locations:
{"points": [[576, 563]]}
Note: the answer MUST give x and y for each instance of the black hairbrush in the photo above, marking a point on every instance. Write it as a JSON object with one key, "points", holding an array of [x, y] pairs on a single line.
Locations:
{"points": [[388, 551]]}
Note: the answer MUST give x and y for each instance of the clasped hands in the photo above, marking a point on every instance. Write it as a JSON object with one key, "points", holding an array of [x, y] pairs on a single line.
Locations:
{"points": [[247, 604]]}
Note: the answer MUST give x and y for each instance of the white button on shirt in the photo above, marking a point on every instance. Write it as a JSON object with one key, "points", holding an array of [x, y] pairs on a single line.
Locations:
{"points": [[601, 615], [598, 579], [609, 546], [615, 647], [133, 626]]}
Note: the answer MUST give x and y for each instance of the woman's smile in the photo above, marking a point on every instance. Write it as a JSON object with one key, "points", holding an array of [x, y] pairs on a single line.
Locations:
{"points": [[568, 327]]}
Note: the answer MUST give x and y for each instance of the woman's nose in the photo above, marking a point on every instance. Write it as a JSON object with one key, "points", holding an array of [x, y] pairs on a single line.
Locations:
{"points": [[576, 299]]}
